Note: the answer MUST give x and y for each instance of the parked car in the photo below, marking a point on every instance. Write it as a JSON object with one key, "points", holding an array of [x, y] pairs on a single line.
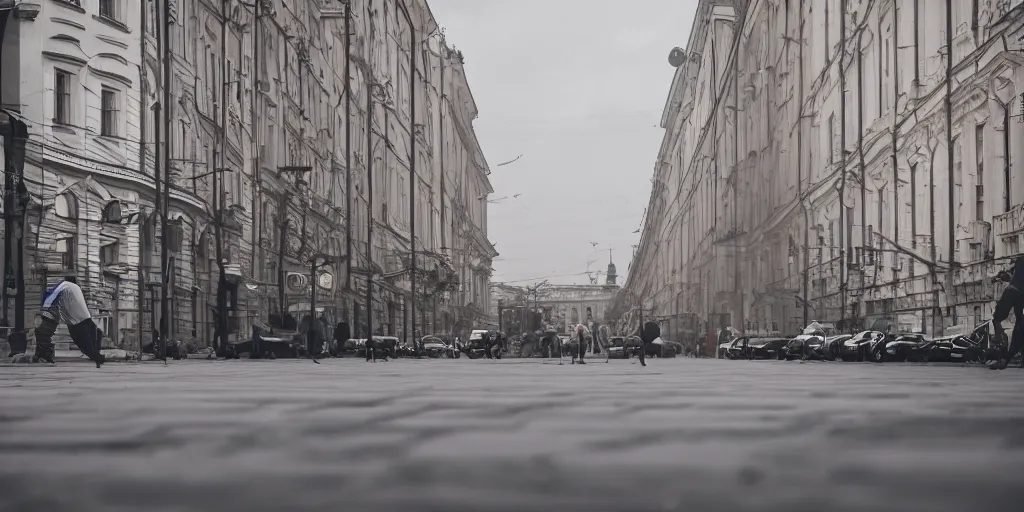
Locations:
{"points": [[973, 347], [804, 346], [904, 347], [832, 347], [627, 348], [437, 347], [723, 348], [858, 348], [738, 348], [765, 348]]}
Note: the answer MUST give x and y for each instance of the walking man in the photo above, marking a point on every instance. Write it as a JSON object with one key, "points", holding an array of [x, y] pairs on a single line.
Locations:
{"points": [[1012, 300], [66, 303], [649, 332]]}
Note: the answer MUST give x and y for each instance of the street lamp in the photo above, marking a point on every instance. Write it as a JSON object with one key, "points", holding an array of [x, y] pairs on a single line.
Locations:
{"points": [[318, 261]]}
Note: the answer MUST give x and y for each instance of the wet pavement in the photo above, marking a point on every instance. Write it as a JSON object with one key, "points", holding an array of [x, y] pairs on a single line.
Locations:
{"points": [[524, 435]]}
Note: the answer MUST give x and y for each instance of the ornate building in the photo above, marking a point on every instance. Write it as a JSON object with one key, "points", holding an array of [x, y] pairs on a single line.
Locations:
{"points": [[780, 199], [557, 306], [251, 114]]}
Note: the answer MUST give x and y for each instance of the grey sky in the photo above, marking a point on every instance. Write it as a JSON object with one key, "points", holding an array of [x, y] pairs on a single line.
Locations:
{"points": [[577, 88]]}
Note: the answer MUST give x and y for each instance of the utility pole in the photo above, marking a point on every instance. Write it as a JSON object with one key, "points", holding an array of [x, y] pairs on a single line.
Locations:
{"points": [[412, 168], [799, 171], [348, 147], [222, 298], [162, 181], [254, 143], [369, 209]]}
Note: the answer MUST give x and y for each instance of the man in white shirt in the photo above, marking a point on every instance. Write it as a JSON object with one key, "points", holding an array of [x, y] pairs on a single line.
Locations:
{"points": [[66, 303]]}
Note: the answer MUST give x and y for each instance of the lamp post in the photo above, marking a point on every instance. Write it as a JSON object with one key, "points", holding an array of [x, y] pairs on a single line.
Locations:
{"points": [[318, 261]]}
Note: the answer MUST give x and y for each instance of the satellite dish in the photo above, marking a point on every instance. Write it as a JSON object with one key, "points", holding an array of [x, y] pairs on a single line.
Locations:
{"points": [[677, 57]]}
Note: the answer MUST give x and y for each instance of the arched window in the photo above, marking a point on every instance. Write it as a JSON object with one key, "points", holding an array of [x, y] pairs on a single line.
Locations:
{"points": [[112, 213], [574, 316], [65, 205]]}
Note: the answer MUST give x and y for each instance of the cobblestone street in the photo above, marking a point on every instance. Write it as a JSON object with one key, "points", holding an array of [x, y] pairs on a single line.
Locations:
{"points": [[459, 435]]}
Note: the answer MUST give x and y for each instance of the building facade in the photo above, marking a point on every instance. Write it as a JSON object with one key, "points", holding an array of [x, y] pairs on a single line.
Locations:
{"points": [[559, 307], [266, 119], [780, 199], [70, 72]]}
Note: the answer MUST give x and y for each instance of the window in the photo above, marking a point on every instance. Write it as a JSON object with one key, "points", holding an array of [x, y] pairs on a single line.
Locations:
{"points": [[65, 246], [109, 253], [828, 39], [831, 137], [1012, 244], [108, 113], [882, 100], [979, 188], [62, 97], [108, 10], [913, 204]]}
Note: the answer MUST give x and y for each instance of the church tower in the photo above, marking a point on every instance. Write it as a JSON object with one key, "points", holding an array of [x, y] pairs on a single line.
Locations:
{"points": [[611, 270]]}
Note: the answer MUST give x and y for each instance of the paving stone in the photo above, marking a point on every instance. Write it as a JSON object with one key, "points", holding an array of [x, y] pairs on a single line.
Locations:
{"points": [[454, 435]]}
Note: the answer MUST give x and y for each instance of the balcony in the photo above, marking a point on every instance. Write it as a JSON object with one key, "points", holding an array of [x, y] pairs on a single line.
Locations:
{"points": [[1009, 223], [1007, 230]]}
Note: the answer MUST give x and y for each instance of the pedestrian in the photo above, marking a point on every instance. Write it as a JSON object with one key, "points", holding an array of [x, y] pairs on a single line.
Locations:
{"points": [[66, 303], [583, 337], [1012, 300], [650, 332], [341, 333]]}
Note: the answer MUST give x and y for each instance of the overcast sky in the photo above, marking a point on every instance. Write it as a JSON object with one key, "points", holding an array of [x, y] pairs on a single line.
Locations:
{"points": [[577, 87]]}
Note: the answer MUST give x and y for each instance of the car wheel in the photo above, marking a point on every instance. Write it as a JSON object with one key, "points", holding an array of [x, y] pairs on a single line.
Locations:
{"points": [[878, 356]]}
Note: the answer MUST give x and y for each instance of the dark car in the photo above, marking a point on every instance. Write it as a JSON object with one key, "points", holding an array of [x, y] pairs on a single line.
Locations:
{"points": [[859, 347], [765, 348], [437, 347], [832, 347], [975, 347], [904, 347], [804, 346], [627, 348]]}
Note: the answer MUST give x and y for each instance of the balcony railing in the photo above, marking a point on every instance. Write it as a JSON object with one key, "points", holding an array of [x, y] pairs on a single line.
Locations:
{"points": [[1010, 222]]}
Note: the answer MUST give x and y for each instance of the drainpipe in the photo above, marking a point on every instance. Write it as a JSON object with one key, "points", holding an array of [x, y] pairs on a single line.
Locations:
{"points": [[842, 162], [860, 158], [895, 129]]}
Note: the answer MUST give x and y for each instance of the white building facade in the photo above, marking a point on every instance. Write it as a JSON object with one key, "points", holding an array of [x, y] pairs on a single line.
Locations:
{"points": [[779, 200], [71, 75]]}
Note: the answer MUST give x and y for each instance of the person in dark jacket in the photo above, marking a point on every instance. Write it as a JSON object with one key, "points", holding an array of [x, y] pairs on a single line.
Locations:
{"points": [[341, 334], [1012, 300], [648, 333]]}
